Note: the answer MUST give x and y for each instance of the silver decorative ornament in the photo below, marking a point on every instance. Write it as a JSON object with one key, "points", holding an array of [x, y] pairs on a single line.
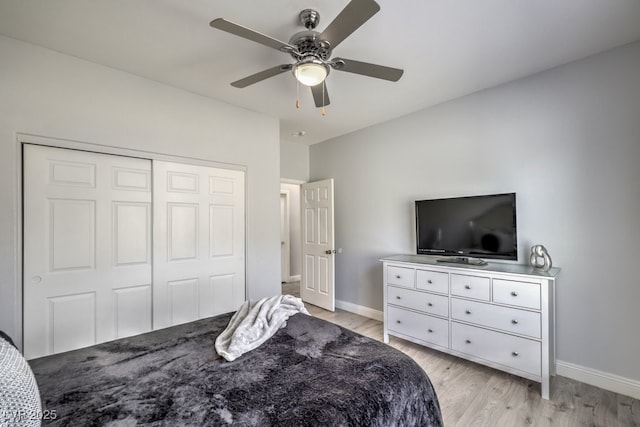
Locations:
{"points": [[540, 252]]}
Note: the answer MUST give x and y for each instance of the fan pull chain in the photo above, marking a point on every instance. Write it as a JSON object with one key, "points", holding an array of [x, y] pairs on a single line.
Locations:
{"points": [[324, 112], [297, 94]]}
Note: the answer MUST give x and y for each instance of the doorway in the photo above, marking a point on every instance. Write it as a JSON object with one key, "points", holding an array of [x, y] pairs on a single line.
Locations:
{"points": [[285, 237], [290, 233]]}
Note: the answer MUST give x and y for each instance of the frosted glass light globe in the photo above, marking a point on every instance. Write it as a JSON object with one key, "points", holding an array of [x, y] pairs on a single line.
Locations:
{"points": [[310, 73]]}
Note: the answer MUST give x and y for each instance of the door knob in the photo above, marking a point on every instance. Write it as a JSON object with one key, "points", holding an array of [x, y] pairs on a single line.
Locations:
{"points": [[330, 251], [36, 279]]}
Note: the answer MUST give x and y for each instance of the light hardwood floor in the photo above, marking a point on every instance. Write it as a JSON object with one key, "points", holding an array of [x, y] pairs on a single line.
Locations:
{"points": [[474, 395]]}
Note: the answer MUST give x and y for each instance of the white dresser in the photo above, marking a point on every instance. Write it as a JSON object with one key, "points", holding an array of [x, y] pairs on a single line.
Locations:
{"points": [[500, 315]]}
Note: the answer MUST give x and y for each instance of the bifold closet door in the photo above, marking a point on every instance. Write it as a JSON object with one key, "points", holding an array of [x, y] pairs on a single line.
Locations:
{"points": [[87, 248], [199, 242]]}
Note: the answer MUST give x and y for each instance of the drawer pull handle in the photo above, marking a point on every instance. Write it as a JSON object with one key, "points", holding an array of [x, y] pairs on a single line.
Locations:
{"points": [[514, 294], [514, 321], [429, 304], [430, 330], [398, 297], [429, 281], [514, 353], [468, 311], [467, 286], [398, 276], [397, 321], [468, 341]]}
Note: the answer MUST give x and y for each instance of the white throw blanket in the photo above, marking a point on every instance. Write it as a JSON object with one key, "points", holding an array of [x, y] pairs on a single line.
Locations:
{"points": [[256, 322]]}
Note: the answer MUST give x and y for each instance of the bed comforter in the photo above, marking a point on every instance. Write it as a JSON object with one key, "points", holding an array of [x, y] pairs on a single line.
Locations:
{"points": [[311, 372]]}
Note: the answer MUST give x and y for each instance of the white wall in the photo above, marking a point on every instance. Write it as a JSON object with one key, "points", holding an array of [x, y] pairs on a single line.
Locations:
{"points": [[567, 141], [294, 161], [49, 94]]}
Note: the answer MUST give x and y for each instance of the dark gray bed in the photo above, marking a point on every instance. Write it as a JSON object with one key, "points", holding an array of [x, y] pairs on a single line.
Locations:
{"points": [[311, 372]]}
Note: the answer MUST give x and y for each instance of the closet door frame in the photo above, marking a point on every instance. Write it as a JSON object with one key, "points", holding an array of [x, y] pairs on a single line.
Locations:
{"points": [[24, 138]]}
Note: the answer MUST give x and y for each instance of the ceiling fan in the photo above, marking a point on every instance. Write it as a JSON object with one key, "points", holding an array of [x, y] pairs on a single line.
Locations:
{"points": [[312, 50]]}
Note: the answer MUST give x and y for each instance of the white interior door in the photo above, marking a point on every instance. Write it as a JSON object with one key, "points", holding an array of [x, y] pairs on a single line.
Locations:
{"points": [[87, 248], [199, 242], [318, 253]]}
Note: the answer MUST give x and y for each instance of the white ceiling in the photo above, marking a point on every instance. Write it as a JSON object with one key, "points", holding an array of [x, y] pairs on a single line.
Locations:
{"points": [[448, 48]]}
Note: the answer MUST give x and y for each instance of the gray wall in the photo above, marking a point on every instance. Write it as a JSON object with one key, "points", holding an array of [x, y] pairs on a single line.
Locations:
{"points": [[567, 141], [294, 161], [45, 93]]}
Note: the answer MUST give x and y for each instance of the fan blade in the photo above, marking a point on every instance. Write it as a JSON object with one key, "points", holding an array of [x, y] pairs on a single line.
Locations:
{"points": [[257, 77], [350, 19], [320, 94], [239, 30], [367, 69]]}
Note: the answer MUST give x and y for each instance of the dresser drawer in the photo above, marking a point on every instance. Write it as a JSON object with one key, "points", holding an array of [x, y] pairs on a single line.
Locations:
{"points": [[520, 294], [429, 303], [434, 281], [514, 352], [507, 319], [401, 276], [477, 287], [420, 326]]}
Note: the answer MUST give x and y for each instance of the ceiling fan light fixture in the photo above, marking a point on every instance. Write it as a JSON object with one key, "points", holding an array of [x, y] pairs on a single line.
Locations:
{"points": [[310, 72]]}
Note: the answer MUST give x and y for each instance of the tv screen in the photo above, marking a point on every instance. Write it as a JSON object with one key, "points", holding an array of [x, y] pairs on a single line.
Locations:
{"points": [[475, 226]]}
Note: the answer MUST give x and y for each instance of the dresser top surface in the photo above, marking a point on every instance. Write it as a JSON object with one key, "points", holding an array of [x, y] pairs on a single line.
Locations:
{"points": [[522, 269]]}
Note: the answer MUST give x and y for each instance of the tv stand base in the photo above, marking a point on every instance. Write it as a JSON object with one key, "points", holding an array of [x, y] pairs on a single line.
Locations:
{"points": [[467, 261]]}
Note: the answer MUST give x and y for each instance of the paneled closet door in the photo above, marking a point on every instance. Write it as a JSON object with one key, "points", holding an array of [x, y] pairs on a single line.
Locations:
{"points": [[87, 248], [199, 242]]}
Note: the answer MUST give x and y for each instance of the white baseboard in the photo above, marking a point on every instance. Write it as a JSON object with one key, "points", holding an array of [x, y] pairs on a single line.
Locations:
{"points": [[360, 309], [604, 380], [295, 278]]}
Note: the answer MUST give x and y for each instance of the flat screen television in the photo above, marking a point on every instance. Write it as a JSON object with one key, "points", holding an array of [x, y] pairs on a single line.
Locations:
{"points": [[473, 227]]}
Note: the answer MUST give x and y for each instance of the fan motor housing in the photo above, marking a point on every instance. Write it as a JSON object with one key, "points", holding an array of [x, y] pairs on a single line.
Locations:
{"points": [[309, 43]]}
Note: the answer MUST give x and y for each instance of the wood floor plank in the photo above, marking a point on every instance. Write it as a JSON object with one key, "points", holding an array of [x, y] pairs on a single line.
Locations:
{"points": [[595, 406], [450, 394], [561, 406], [628, 411], [487, 407], [475, 395]]}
